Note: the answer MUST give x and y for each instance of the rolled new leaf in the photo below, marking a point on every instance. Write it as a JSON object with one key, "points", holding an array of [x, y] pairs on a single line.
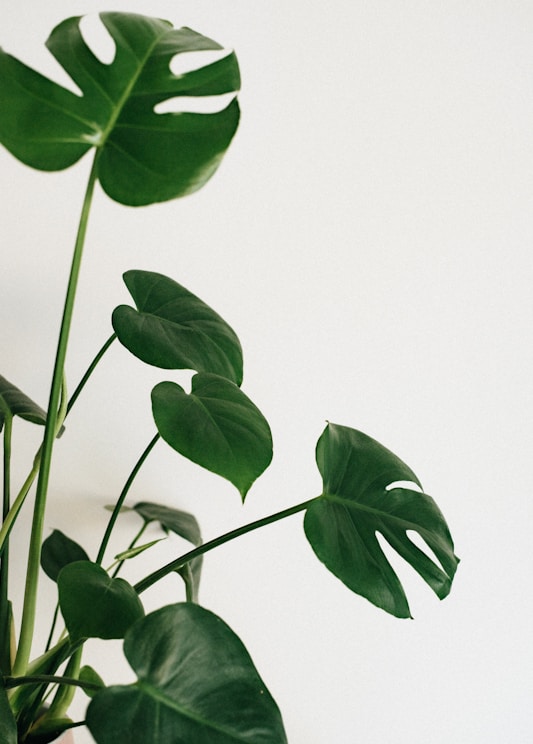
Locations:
{"points": [[144, 156], [196, 683], [356, 503], [216, 426], [173, 329], [93, 604]]}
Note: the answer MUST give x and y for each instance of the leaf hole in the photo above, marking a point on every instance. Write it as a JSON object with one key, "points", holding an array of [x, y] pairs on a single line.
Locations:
{"points": [[422, 545], [194, 104], [410, 485], [189, 61], [98, 38]]}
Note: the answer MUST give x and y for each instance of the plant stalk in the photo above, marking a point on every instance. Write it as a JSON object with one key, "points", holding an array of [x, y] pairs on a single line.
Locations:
{"points": [[5, 611], [178, 563], [122, 497], [32, 576]]}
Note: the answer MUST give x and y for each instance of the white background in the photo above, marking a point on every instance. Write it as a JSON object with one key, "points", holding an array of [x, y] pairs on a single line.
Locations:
{"points": [[369, 238]]}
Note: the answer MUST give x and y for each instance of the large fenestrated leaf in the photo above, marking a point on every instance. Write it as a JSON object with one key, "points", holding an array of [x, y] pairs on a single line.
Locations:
{"points": [[183, 524], [13, 402], [196, 683], [174, 329], [144, 156], [93, 604], [216, 426], [356, 504]]}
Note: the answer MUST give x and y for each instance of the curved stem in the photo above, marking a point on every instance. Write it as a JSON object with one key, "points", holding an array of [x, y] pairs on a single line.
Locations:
{"points": [[90, 370], [5, 613], [51, 679], [121, 498], [32, 576], [147, 582]]}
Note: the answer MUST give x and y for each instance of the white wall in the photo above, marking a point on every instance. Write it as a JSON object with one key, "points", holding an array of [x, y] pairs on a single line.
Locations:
{"points": [[369, 238]]}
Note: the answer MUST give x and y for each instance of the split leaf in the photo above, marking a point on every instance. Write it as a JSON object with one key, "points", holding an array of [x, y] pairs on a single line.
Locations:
{"points": [[356, 503], [144, 156]]}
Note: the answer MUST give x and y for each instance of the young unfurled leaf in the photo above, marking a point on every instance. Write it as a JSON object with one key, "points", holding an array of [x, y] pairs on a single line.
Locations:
{"points": [[57, 551], [88, 674], [174, 329], [196, 683], [144, 156], [93, 604], [215, 426], [355, 504], [13, 402]]}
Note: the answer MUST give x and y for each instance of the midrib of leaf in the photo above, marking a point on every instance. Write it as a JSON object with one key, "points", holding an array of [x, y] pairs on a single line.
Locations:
{"points": [[158, 696], [384, 515], [127, 91]]}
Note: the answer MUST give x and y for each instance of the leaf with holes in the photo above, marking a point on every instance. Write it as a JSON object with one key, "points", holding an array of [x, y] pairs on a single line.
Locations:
{"points": [[196, 683], [174, 329], [216, 426], [356, 503], [144, 156], [93, 604]]}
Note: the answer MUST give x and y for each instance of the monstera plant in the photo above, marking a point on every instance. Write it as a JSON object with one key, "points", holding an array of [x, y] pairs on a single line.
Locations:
{"points": [[196, 682]]}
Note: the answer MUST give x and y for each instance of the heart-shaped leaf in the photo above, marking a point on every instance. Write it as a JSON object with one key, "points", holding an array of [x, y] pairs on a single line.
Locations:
{"points": [[196, 683], [356, 504], [144, 156], [215, 426], [174, 329], [93, 604], [58, 551], [185, 525], [13, 402]]}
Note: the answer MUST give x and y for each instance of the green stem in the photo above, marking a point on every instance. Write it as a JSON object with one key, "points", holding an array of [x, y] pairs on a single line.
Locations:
{"points": [[90, 370], [50, 679], [32, 576], [122, 497], [147, 582], [5, 612]]}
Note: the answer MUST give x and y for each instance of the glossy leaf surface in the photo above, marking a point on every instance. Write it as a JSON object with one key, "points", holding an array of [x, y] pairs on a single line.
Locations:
{"points": [[215, 426], [58, 551], [13, 402], [196, 683], [174, 329], [356, 504], [144, 156], [94, 605]]}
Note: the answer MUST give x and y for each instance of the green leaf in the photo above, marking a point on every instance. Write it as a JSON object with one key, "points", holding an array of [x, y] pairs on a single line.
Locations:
{"points": [[355, 504], [8, 726], [185, 525], [216, 426], [144, 157], [88, 674], [174, 329], [48, 730], [58, 551], [13, 402], [196, 683], [93, 604]]}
